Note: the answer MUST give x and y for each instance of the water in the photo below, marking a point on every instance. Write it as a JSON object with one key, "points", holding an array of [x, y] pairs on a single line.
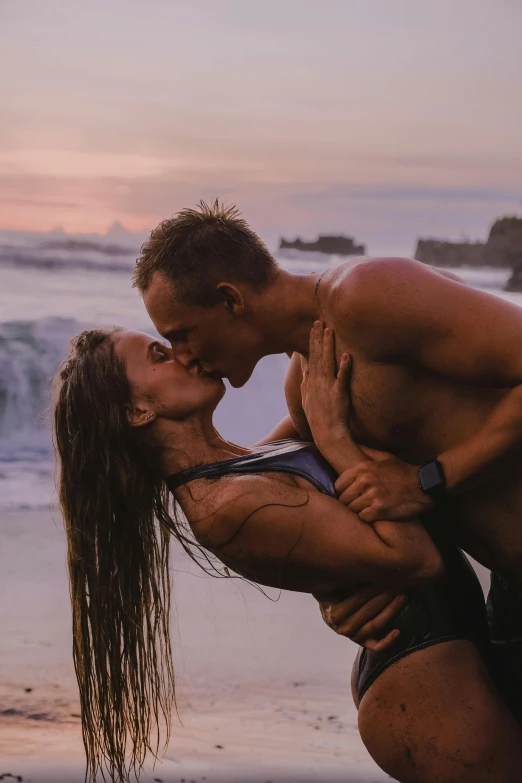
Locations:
{"points": [[51, 287]]}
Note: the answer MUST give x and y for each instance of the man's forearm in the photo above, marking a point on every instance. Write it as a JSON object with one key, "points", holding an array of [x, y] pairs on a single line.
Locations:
{"points": [[500, 435]]}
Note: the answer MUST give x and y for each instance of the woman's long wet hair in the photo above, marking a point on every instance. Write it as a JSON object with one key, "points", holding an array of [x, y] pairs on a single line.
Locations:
{"points": [[116, 511]]}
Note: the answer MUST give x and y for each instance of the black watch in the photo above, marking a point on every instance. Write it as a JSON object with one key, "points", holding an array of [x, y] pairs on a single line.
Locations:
{"points": [[432, 480]]}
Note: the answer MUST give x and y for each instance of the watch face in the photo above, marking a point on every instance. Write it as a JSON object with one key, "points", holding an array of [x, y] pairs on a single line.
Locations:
{"points": [[431, 476]]}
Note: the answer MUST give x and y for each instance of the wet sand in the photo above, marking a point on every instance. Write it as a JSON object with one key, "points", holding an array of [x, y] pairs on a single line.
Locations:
{"points": [[263, 686]]}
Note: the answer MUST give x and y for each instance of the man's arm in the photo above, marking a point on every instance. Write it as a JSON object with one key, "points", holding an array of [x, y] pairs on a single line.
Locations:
{"points": [[398, 310]]}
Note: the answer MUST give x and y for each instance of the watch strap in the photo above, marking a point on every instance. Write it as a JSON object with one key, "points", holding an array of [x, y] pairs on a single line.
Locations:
{"points": [[432, 480]]}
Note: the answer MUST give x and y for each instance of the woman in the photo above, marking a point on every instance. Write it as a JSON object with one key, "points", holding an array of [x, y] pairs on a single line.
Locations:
{"points": [[130, 421]]}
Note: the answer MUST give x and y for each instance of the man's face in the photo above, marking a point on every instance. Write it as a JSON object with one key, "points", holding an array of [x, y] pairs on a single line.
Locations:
{"points": [[222, 343]]}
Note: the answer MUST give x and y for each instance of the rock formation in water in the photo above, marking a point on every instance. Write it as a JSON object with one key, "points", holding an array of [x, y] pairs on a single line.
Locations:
{"points": [[503, 248], [505, 239], [332, 245], [437, 252], [515, 281]]}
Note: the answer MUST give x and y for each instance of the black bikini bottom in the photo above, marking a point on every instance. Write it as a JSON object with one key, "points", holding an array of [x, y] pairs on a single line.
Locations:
{"points": [[451, 609]]}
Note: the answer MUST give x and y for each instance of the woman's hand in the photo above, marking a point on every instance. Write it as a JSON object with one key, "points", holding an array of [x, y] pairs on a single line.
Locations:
{"points": [[326, 399], [324, 389]]}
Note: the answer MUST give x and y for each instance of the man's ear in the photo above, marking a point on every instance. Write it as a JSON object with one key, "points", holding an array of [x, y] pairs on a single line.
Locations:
{"points": [[232, 298], [138, 416]]}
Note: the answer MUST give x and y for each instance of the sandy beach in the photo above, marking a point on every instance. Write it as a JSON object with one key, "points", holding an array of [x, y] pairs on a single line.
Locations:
{"points": [[263, 686]]}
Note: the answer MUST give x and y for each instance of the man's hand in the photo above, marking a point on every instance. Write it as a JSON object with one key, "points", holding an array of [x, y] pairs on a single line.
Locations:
{"points": [[365, 616], [382, 487]]}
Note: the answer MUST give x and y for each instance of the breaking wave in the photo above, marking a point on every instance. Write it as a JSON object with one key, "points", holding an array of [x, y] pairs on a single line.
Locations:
{"points": [[30, 354], [69, 254]]}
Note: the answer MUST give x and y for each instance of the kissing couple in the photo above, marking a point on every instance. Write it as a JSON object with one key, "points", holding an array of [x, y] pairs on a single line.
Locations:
{"points": [[402, 447]]}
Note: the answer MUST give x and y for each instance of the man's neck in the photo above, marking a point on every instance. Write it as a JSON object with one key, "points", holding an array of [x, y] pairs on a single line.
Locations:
{"points": [[285, 312]]}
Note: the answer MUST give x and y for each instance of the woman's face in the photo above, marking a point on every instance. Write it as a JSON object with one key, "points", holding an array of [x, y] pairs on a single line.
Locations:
{"points": [[162, 385]]}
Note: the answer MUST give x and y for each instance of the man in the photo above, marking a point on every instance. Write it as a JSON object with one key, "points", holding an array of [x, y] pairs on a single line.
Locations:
{"points": [[436, 379]]}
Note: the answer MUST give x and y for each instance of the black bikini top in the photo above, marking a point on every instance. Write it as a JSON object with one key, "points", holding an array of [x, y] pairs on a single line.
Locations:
{"points": [[281, 456]]}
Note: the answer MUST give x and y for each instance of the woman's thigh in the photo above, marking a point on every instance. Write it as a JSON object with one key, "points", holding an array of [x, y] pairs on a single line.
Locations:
{"points": [[436, 717]]}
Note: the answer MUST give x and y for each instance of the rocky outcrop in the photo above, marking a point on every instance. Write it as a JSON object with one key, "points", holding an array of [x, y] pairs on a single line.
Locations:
{"points": [[439, 253], [515, 281], [505, 240], [332, 245], [503, 248]]}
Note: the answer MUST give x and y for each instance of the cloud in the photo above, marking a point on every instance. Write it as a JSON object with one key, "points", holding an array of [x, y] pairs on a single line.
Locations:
{"points": [[410, 194], [45, 204]]}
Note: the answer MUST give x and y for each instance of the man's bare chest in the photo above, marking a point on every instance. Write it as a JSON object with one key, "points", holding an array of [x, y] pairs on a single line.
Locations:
{"points": [[389, 404], [411, 412]]}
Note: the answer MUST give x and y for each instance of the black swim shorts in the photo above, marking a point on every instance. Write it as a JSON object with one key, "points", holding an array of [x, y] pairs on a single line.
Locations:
{"points": [[451, 609]]}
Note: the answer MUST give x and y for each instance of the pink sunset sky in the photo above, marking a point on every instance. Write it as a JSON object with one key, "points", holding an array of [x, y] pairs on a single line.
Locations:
{"points": [[381, 118]]}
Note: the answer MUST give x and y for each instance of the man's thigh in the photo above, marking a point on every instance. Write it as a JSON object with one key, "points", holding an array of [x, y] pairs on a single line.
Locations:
{"points": [[504, 608]]}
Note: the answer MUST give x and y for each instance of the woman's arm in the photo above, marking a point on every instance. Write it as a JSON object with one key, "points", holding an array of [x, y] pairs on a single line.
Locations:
{"points": [[288, 536]]}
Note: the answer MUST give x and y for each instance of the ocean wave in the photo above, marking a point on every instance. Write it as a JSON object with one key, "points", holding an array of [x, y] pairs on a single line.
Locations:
{"points": [[90, 256], [93, 255], [63, 259], [85, 245], [30, 354], [31, 351]]}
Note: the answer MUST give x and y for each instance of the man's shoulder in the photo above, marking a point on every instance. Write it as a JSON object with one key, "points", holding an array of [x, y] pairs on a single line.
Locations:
{"points": [[358, 286], [368, 272]]}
